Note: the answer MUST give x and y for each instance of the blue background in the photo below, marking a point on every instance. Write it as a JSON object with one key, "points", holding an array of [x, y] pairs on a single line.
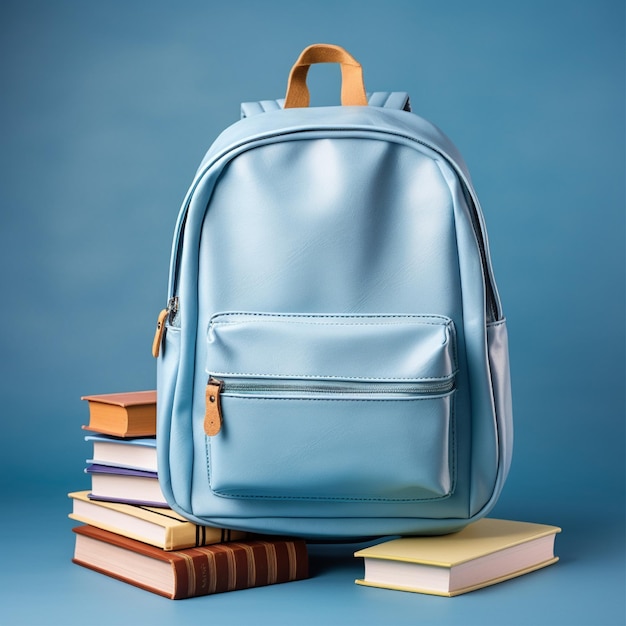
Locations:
{"points": [[107, 109]]}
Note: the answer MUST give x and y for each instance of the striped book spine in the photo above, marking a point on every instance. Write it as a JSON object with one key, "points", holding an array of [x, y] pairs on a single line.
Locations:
{"points": [[203, 570], [237, 565]]}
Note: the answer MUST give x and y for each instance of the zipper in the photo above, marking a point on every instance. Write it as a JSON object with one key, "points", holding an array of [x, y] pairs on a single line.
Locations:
{"points": [[215, 388], [492, 303], [425, 388], [169, 313], [172, 309]]}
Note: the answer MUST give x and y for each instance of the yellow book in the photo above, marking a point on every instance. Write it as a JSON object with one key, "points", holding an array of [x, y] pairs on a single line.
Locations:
{"points": [[486, 552], [160, 527]]}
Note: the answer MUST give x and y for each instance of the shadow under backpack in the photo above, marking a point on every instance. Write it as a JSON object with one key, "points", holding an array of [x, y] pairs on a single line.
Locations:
{"points": [[333, 359]]}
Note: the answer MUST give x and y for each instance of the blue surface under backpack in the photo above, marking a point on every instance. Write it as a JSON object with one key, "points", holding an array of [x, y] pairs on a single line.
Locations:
{"points": [[333, 359]]}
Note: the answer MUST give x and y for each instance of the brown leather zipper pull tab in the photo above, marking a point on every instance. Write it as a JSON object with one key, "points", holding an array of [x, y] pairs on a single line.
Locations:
{"points": [[213, 413], [158, 334]]}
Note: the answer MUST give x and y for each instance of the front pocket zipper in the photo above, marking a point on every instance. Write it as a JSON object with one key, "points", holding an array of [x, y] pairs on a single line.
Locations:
{"points": [[215, 388]]}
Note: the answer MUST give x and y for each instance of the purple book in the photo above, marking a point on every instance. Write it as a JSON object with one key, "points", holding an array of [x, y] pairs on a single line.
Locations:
{"points": [[131, 486]]}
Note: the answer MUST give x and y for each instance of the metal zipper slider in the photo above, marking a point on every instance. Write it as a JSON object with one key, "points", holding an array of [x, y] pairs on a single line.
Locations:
{"points": [[213, 411], [172, 307]]}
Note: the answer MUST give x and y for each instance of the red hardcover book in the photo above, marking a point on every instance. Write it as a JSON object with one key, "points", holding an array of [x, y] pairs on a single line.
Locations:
{"points": [[191, 572]]}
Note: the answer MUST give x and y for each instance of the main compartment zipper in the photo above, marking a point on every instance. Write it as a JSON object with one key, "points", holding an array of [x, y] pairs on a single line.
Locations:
{"points": [[215, 388], [492, 302]]}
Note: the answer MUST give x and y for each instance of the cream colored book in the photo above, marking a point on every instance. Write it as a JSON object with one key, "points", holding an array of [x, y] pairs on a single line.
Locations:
{"points": [[160, 527], [486, 552]]}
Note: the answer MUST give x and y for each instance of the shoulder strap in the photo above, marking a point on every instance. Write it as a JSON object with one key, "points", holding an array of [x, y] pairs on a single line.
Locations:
{"points": [[398, 100]]}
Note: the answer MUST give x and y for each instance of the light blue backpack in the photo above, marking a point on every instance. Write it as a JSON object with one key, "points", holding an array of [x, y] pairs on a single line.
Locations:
{"points": [[333, 359]]}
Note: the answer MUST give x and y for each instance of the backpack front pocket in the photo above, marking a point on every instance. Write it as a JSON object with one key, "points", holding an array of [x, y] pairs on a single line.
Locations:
{"points": [[331, 407]]}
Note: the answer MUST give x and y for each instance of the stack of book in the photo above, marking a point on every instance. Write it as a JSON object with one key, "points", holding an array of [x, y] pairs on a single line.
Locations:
{"points": [[123, 466], [131, 534]]}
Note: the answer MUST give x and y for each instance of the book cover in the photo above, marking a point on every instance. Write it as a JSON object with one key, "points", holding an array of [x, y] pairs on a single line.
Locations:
{"points": [[133, 453], [130, 414], [161, 527], [194, 571], [118, 484], [484, 553]]}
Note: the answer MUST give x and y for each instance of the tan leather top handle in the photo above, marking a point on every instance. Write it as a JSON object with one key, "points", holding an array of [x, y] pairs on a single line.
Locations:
{"points": [[352, 87]]}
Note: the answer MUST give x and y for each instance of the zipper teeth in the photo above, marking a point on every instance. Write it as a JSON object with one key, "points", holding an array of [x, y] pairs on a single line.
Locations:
{"points": [[334, 388]]}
